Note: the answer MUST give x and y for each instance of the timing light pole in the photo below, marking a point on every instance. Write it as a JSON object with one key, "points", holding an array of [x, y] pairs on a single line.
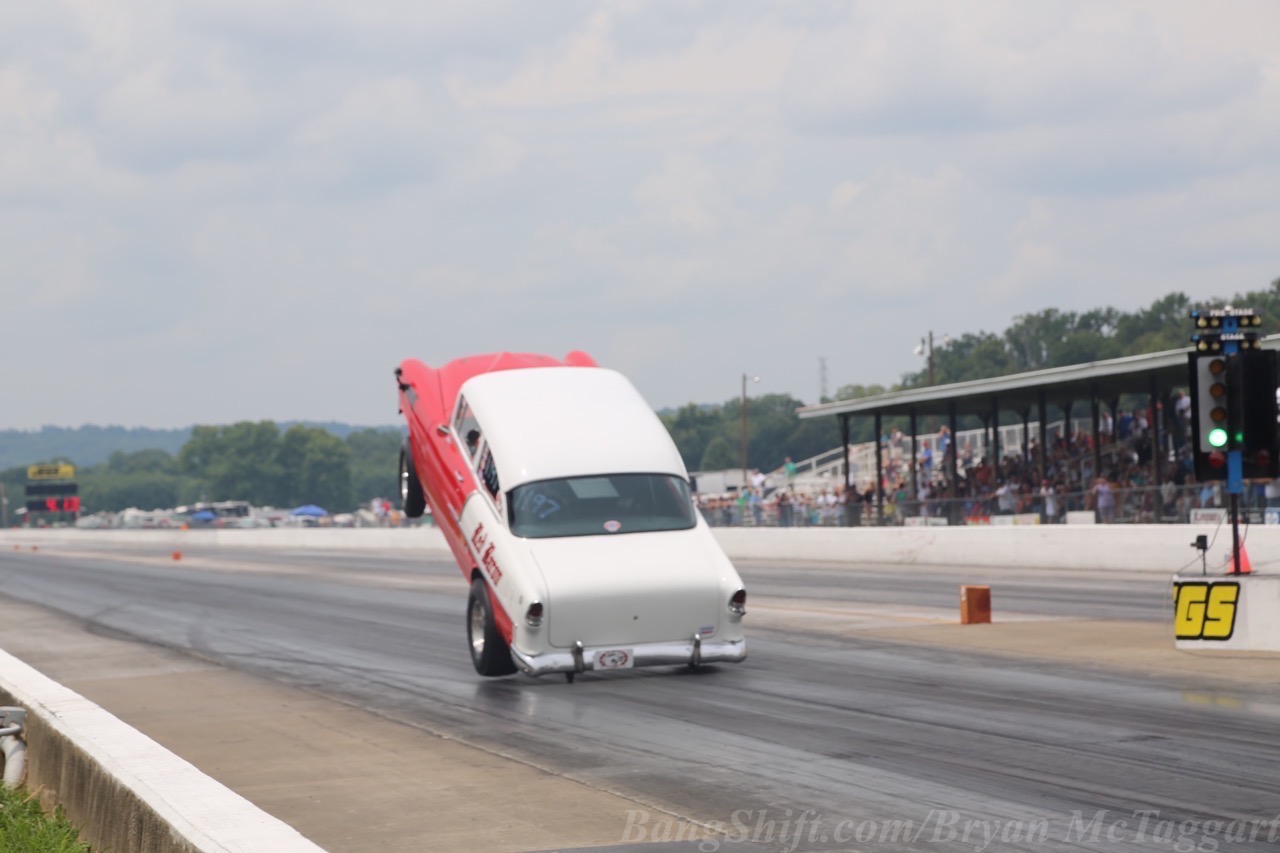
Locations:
{"points": [[744, 427]]}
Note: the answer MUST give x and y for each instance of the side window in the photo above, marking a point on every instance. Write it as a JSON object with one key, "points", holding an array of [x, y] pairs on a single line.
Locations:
{"points": [[489, 474], [467, 428]]}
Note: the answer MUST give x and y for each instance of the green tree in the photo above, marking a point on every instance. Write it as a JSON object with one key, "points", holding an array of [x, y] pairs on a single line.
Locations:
{"points": [[103, 490], [236, 462], [145, 479], [375, 457], [143, 461], [315, 468], [718, 456], [324, 477], [692, 428]]}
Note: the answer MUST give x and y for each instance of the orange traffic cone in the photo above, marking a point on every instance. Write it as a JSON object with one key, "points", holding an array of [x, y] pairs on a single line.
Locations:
{"points": [[1246, 568]]}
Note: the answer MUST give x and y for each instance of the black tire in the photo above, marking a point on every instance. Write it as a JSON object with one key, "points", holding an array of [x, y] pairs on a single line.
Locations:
{"points": [[412, 500], [490, 654]]}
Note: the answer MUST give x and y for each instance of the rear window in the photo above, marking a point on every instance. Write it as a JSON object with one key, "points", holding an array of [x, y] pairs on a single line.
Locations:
{"points": [[603, 505]]}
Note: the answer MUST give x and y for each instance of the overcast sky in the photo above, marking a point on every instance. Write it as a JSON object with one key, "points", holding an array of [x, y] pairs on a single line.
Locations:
{"points": [[216, 210]]}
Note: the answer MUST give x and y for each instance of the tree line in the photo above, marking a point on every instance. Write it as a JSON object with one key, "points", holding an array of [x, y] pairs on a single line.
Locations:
{"points": [[249, 461], [709, 437], [308, 464]]}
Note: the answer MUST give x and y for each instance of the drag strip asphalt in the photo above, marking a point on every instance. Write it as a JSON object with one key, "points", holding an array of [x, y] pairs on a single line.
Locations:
{"points": [[855, 728]]}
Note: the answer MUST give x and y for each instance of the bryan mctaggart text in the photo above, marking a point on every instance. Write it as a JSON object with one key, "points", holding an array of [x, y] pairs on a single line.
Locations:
{"points": [[795, 830]]}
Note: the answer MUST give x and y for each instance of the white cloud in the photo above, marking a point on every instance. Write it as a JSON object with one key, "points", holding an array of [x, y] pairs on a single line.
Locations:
{"points": [[588, 66], [920, 68], [320, 189]]}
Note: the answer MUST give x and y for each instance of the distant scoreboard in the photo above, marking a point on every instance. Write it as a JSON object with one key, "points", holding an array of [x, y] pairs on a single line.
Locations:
{"points": [[51, 489], [51, 472]]}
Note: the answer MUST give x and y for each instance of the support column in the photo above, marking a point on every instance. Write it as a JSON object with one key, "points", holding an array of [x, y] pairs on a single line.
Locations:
{"points": [[1042, 410], [986, 437], [879, 472], [844, 445], [995, 434], [1157, 445], [953, 464], [1097, 444], [915, 487]]}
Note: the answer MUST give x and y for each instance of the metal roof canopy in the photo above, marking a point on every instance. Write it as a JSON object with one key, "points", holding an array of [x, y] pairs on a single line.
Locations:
{"points": [[1024, 393], [1021, 392]]}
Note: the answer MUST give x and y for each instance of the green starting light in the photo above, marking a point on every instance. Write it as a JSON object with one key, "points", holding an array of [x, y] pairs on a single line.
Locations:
{"points": [[1218, 437]]}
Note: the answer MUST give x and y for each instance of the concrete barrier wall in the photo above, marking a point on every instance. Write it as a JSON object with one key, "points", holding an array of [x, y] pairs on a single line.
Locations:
{"points": [[1161, 548], [1155, 548], [425, 540], [124, 790]]}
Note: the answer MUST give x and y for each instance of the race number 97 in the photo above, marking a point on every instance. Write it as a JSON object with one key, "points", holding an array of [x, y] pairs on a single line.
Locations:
{"points": [[1205, 611]]}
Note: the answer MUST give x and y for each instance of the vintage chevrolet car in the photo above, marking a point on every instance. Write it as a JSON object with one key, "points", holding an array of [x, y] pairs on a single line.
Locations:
{"points": [[567, 507]]}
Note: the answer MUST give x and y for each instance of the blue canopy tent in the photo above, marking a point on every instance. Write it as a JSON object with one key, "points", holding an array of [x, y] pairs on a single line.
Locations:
{"points": [[203, 515], [310, 510]]}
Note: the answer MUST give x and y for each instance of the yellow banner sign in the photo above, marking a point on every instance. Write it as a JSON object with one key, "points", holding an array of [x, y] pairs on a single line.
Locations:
{"points": [[51, 472], [1205, 611]]}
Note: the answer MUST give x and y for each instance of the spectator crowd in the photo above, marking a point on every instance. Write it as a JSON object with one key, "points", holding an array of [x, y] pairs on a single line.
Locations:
{"points": [[1122, 488]]}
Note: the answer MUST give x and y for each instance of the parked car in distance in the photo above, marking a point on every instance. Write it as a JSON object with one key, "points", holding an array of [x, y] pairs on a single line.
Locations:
{"points": [[568, 510]]}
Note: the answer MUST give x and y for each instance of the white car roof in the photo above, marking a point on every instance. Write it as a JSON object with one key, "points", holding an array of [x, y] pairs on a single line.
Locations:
{"points": [[547, 422]]}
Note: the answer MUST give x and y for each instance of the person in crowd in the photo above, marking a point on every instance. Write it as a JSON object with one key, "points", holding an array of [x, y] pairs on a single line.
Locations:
{"points": [[923, 494], [853, 507], [1006, 498], [1104, 500], [785, 507], [1049, 496]]}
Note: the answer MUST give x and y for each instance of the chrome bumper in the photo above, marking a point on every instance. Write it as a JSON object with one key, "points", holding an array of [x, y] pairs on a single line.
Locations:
{"points": [[581, 659]]}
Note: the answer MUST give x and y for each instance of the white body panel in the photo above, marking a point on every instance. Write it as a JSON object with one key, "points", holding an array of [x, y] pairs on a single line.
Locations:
{"points": [[611, 600]]}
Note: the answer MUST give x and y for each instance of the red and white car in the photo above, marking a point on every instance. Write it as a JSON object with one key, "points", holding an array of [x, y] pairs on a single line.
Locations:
{"points": [[567, 507]]}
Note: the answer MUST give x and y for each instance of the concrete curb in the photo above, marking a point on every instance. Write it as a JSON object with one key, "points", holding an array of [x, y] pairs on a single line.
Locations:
{"points": [[124, 790]]}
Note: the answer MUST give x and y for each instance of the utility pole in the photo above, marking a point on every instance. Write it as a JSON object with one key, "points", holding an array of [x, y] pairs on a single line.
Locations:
{"points": [[925, 349]]}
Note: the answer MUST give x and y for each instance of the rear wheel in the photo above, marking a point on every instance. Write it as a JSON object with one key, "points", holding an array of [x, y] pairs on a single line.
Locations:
{"points": [[412, 500], [490, 654]]}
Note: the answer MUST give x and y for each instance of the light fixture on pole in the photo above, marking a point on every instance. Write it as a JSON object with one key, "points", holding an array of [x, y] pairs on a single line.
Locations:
{"points": [[744, 426], [925, 350]]}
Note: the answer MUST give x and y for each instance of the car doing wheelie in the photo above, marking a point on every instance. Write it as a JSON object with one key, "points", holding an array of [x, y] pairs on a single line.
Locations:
{"points": [[567, 507]]}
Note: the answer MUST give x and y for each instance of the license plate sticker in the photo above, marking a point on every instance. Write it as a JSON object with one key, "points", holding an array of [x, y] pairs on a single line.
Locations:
{"points": [[615, 659]]}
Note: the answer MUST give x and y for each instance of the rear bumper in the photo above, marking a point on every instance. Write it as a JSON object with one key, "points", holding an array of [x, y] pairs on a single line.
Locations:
{"points": [[644, 654]]}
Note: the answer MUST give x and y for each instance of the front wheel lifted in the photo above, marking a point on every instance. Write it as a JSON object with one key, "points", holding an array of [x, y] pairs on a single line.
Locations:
{"points": [[490, 654], [412, 500]]}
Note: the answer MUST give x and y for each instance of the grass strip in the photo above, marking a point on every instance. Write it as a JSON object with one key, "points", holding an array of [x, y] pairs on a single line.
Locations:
{"points": [[25, 828]]}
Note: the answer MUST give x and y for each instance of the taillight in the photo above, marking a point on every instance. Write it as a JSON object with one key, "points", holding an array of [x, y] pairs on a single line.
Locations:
{"points": [[533, 616], [738, 602]]}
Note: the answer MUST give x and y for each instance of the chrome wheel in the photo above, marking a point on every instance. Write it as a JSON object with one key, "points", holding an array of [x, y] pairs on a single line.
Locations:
{"points": [[477, 628], [404, 480], [412, 499]]}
